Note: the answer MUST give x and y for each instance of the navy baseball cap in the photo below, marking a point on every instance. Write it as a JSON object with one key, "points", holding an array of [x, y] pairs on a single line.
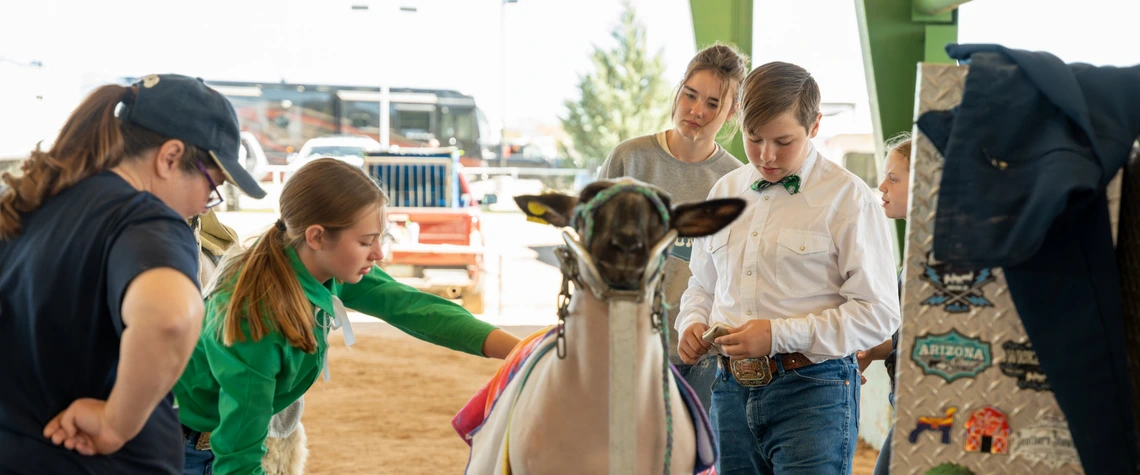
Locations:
{"points": [[184, 108]]}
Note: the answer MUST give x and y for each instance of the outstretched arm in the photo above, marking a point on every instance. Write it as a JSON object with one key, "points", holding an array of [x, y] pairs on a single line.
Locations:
{"points": [[427, 317], [499, 344]]}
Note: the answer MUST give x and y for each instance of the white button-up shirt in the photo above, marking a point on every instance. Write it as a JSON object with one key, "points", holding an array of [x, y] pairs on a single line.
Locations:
{"points": [[818, 264]]}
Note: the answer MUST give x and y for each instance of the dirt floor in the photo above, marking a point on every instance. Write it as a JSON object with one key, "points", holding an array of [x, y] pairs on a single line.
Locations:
{"points": [[389, 405]]}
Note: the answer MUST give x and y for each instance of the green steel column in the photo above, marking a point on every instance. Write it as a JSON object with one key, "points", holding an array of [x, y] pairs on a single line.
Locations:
{"points": [[730, 22], [895, 37], [935, 7]]}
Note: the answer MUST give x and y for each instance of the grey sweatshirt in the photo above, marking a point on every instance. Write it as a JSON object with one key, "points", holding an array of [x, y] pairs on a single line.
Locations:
{"points": [[648, 159]]}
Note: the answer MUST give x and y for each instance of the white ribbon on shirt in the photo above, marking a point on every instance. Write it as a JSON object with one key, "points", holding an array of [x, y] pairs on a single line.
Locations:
{"points": [[339, 320]]}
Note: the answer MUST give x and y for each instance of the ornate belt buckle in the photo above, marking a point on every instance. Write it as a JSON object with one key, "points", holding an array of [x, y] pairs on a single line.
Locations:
{"points": [[203, 442], [751, 372]]}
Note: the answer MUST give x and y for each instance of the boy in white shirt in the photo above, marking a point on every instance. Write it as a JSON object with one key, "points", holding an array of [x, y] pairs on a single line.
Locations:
{"points": [[805, 278]]}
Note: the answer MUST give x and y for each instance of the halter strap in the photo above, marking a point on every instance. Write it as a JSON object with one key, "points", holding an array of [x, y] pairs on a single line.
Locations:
{"points": [[585, 212]]}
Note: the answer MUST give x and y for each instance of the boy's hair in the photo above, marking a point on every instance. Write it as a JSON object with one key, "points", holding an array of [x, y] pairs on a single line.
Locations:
{"points": [[775, 88]]}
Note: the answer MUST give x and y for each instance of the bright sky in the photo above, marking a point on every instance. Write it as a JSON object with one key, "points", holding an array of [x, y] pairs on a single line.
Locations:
{"points": [[456, 43], [446, 43], [1100, 32]]}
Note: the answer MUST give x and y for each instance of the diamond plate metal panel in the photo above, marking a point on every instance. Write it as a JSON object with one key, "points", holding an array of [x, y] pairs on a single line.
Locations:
{"points": [[956, 372]]}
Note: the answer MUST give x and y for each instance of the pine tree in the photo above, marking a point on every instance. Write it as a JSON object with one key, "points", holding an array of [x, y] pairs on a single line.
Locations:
{"points": [[625, 96]]}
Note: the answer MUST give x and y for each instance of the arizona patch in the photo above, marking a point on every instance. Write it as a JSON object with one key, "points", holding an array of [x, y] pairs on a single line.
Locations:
{"points": [[951, 355]]}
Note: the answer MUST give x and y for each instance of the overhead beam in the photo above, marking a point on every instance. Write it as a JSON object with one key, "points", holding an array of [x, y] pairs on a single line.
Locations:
{"points": [[895, 36], [936, 7]]}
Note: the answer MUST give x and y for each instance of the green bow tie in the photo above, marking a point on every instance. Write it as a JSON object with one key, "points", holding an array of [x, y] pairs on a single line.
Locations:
{"points": [[790, 183]]}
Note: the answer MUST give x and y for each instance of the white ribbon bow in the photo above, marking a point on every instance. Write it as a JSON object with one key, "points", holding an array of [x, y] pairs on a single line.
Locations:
{"points": [[339, 320]]}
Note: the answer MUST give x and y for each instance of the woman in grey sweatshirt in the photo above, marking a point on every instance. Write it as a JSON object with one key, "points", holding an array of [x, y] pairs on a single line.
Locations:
{"points": [[686, 161]]}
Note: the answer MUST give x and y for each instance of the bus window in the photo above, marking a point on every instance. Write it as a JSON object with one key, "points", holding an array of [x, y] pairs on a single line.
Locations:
{"points": [[414, 121], [458, 124], [360, 118], [284, 117]]}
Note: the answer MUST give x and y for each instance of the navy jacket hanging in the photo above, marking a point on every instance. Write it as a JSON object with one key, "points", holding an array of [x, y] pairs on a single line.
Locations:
{"points": [[1028, 154]]}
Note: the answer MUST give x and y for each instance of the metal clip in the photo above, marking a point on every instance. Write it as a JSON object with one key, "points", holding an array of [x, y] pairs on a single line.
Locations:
{"points": [[569, 269]]}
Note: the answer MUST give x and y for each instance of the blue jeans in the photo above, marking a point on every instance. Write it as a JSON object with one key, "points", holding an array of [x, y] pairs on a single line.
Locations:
{"points": [[198, 462], [701, 377], [804, 422], [883, 464]]}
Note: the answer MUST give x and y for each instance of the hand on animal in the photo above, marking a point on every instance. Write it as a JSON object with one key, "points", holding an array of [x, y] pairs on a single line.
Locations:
{"points": [[85, 428], [691, 346], [751, 340], [864, 361]]}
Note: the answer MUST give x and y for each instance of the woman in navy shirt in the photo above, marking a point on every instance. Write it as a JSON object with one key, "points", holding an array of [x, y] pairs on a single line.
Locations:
{"points": [[99, 306]]}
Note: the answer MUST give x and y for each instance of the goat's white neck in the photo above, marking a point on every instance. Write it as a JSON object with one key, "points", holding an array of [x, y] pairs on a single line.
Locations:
{"points": [[587, 343]]}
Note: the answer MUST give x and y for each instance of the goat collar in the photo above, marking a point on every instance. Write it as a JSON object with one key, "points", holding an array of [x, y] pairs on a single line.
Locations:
{"points": [[585, 211]]}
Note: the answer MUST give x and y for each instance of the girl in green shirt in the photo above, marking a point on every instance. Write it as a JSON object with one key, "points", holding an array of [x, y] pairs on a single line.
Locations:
{"points": [[270, 308]]}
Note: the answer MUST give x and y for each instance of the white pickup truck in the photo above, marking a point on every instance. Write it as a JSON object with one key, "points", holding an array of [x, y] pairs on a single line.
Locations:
{"points": [[253, 157]]}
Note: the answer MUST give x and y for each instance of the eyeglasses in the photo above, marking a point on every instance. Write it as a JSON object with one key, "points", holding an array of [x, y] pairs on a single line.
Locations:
{"points": [[215, 196]]}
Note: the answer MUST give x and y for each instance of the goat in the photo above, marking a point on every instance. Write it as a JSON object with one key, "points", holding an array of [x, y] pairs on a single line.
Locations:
{"points": [[543, 414]]}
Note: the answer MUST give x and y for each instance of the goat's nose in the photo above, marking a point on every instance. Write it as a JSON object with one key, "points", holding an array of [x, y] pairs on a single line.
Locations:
{"points": [[627, 242]]}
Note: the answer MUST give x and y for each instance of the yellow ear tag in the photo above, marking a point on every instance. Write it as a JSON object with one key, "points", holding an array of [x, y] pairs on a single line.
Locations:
{"points": [[536, 208]]}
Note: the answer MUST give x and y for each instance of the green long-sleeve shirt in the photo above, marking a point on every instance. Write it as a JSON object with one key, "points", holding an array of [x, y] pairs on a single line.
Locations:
{"points": [[233, 391]]}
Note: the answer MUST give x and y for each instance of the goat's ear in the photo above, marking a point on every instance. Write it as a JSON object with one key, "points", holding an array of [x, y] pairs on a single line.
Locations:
{"points": [[706, 217], [554, 209]]}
